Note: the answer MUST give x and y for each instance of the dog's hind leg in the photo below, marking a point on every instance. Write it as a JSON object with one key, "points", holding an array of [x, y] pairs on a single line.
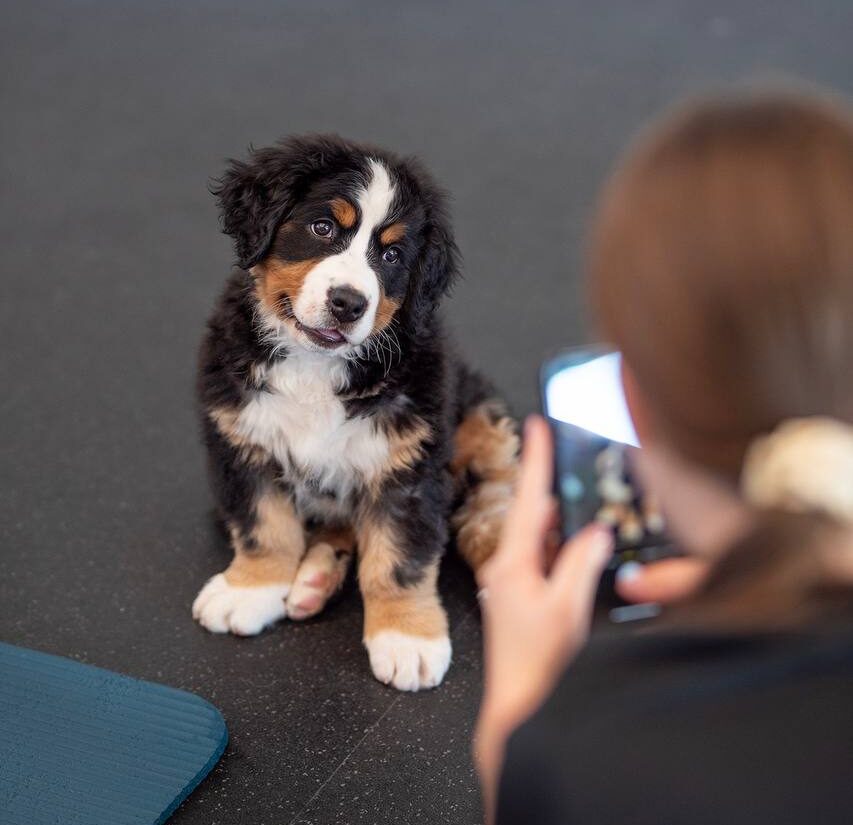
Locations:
{"points": [[322, 571], [484, 466]]}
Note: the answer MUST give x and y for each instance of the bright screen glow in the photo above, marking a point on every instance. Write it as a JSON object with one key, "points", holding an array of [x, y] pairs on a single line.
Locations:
{"points": [[590, 396]]}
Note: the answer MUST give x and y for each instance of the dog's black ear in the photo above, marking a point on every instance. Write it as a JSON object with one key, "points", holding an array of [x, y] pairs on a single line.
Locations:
{"points": [[252, 202], [256, 195], [438, 265]]}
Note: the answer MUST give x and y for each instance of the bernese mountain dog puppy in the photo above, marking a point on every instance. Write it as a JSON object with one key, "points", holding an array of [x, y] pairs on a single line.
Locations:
{"points": [[337, 420]]}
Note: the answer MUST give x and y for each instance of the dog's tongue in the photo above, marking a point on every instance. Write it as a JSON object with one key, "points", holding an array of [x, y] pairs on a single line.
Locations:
{"points": [[330, 335]]}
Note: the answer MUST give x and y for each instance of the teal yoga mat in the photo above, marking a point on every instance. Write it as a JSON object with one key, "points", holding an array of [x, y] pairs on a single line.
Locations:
{"points": [[83, 746]]}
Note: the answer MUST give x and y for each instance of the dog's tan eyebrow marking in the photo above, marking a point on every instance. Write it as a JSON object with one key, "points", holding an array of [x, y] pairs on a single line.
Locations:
{"points": [[393, 233], [344, 212]]}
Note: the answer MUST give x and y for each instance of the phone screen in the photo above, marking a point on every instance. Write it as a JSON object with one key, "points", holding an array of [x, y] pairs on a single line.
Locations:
{"points": [[595, 447]]}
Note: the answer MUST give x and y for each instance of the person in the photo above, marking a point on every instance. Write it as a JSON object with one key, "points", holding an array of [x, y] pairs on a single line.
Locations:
{"points": [[721, 265]]}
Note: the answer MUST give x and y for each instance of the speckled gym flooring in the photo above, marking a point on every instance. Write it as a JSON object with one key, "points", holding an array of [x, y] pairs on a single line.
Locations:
{"points": [[115, 114]]}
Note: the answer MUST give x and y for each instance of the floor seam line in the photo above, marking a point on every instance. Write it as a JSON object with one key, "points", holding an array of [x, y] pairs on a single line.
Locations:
{"points": [[467, 616], [355, 747]]}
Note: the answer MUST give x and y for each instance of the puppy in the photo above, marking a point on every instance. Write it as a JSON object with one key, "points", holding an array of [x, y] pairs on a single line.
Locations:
{"points": [[336, 418]]}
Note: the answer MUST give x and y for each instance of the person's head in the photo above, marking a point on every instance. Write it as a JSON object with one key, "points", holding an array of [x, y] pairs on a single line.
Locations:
{"points": [[721, 265]]}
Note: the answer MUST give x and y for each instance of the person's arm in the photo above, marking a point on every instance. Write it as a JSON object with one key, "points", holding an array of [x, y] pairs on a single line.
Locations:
{"points": [[535, 620]]}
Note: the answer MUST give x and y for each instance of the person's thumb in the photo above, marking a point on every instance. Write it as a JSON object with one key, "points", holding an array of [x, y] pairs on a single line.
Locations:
{"points": [[666, 581]]}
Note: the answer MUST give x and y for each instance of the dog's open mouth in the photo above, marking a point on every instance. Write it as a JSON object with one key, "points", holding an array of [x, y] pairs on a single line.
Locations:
{"points": [[324, 336]]}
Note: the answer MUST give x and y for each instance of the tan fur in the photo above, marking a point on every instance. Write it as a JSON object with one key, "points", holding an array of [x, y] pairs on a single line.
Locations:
{"points": [[341, 538], [392, 234], [407, 447], [479, 521], [277, 279], [385, 312], [225, 419], [344, 212], [415, 610], [488, 448], [277, 546]]}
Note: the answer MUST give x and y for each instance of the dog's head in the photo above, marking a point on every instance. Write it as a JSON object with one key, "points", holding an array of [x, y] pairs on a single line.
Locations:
{"points": [[341, 239]]}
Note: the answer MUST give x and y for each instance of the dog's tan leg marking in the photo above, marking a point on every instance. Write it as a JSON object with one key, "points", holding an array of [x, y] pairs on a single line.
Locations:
{"points": [[321, 573], [486, 445], [405, 627], [251, 593]]}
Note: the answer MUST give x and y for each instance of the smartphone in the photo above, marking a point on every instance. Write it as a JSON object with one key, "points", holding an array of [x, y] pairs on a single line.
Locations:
{"points": [[595, 448]]}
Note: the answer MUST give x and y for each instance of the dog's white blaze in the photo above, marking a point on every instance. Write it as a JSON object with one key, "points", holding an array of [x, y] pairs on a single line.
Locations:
{"points": [[301, 421], [351, 267]]}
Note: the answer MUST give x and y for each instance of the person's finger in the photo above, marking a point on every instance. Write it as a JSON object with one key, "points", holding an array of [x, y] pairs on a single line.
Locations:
{"points": [[552, 536], [665, 581], [553, 522], [578, 567], [536, 472], [531, 512]]}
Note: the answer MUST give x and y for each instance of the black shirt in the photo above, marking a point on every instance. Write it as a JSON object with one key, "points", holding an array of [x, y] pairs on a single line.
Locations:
{"points": [[668, 728]]}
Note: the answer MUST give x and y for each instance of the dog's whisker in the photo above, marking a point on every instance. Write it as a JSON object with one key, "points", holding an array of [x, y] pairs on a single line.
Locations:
{"points": [[389, 340], [385, 343], [380, 348], [392, 335]]}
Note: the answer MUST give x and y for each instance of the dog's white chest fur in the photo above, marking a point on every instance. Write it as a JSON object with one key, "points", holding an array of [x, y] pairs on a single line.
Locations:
{"points": [[302, 422]]}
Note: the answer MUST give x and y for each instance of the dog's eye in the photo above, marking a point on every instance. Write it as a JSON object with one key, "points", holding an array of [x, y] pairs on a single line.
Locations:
{"points": [[391, 255], [322, 229]]}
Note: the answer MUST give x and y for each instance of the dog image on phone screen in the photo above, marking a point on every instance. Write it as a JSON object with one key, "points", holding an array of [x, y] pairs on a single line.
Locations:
{"points": [[338, 421]]}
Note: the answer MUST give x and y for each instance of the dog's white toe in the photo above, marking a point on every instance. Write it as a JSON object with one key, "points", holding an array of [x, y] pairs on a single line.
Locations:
{"points": [[245, 611], [408, 662]]}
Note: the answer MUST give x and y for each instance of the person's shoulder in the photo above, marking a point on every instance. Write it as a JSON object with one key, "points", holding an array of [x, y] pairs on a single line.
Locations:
{"points": [[656, 723], [633, 667]]}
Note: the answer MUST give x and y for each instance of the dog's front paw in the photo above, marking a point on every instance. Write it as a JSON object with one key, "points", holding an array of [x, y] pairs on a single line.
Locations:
{"points": [[245, 611], [408, 662]]}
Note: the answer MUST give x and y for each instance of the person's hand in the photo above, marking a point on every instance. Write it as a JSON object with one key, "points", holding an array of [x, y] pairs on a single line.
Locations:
{"points": [[534, 620]]}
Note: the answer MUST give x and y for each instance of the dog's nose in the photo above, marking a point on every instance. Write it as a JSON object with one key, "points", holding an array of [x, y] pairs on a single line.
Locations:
{"points": [[346, 304]]}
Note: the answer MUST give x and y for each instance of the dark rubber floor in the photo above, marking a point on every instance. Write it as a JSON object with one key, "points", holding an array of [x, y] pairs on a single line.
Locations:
{"points": [[114, 116]]}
